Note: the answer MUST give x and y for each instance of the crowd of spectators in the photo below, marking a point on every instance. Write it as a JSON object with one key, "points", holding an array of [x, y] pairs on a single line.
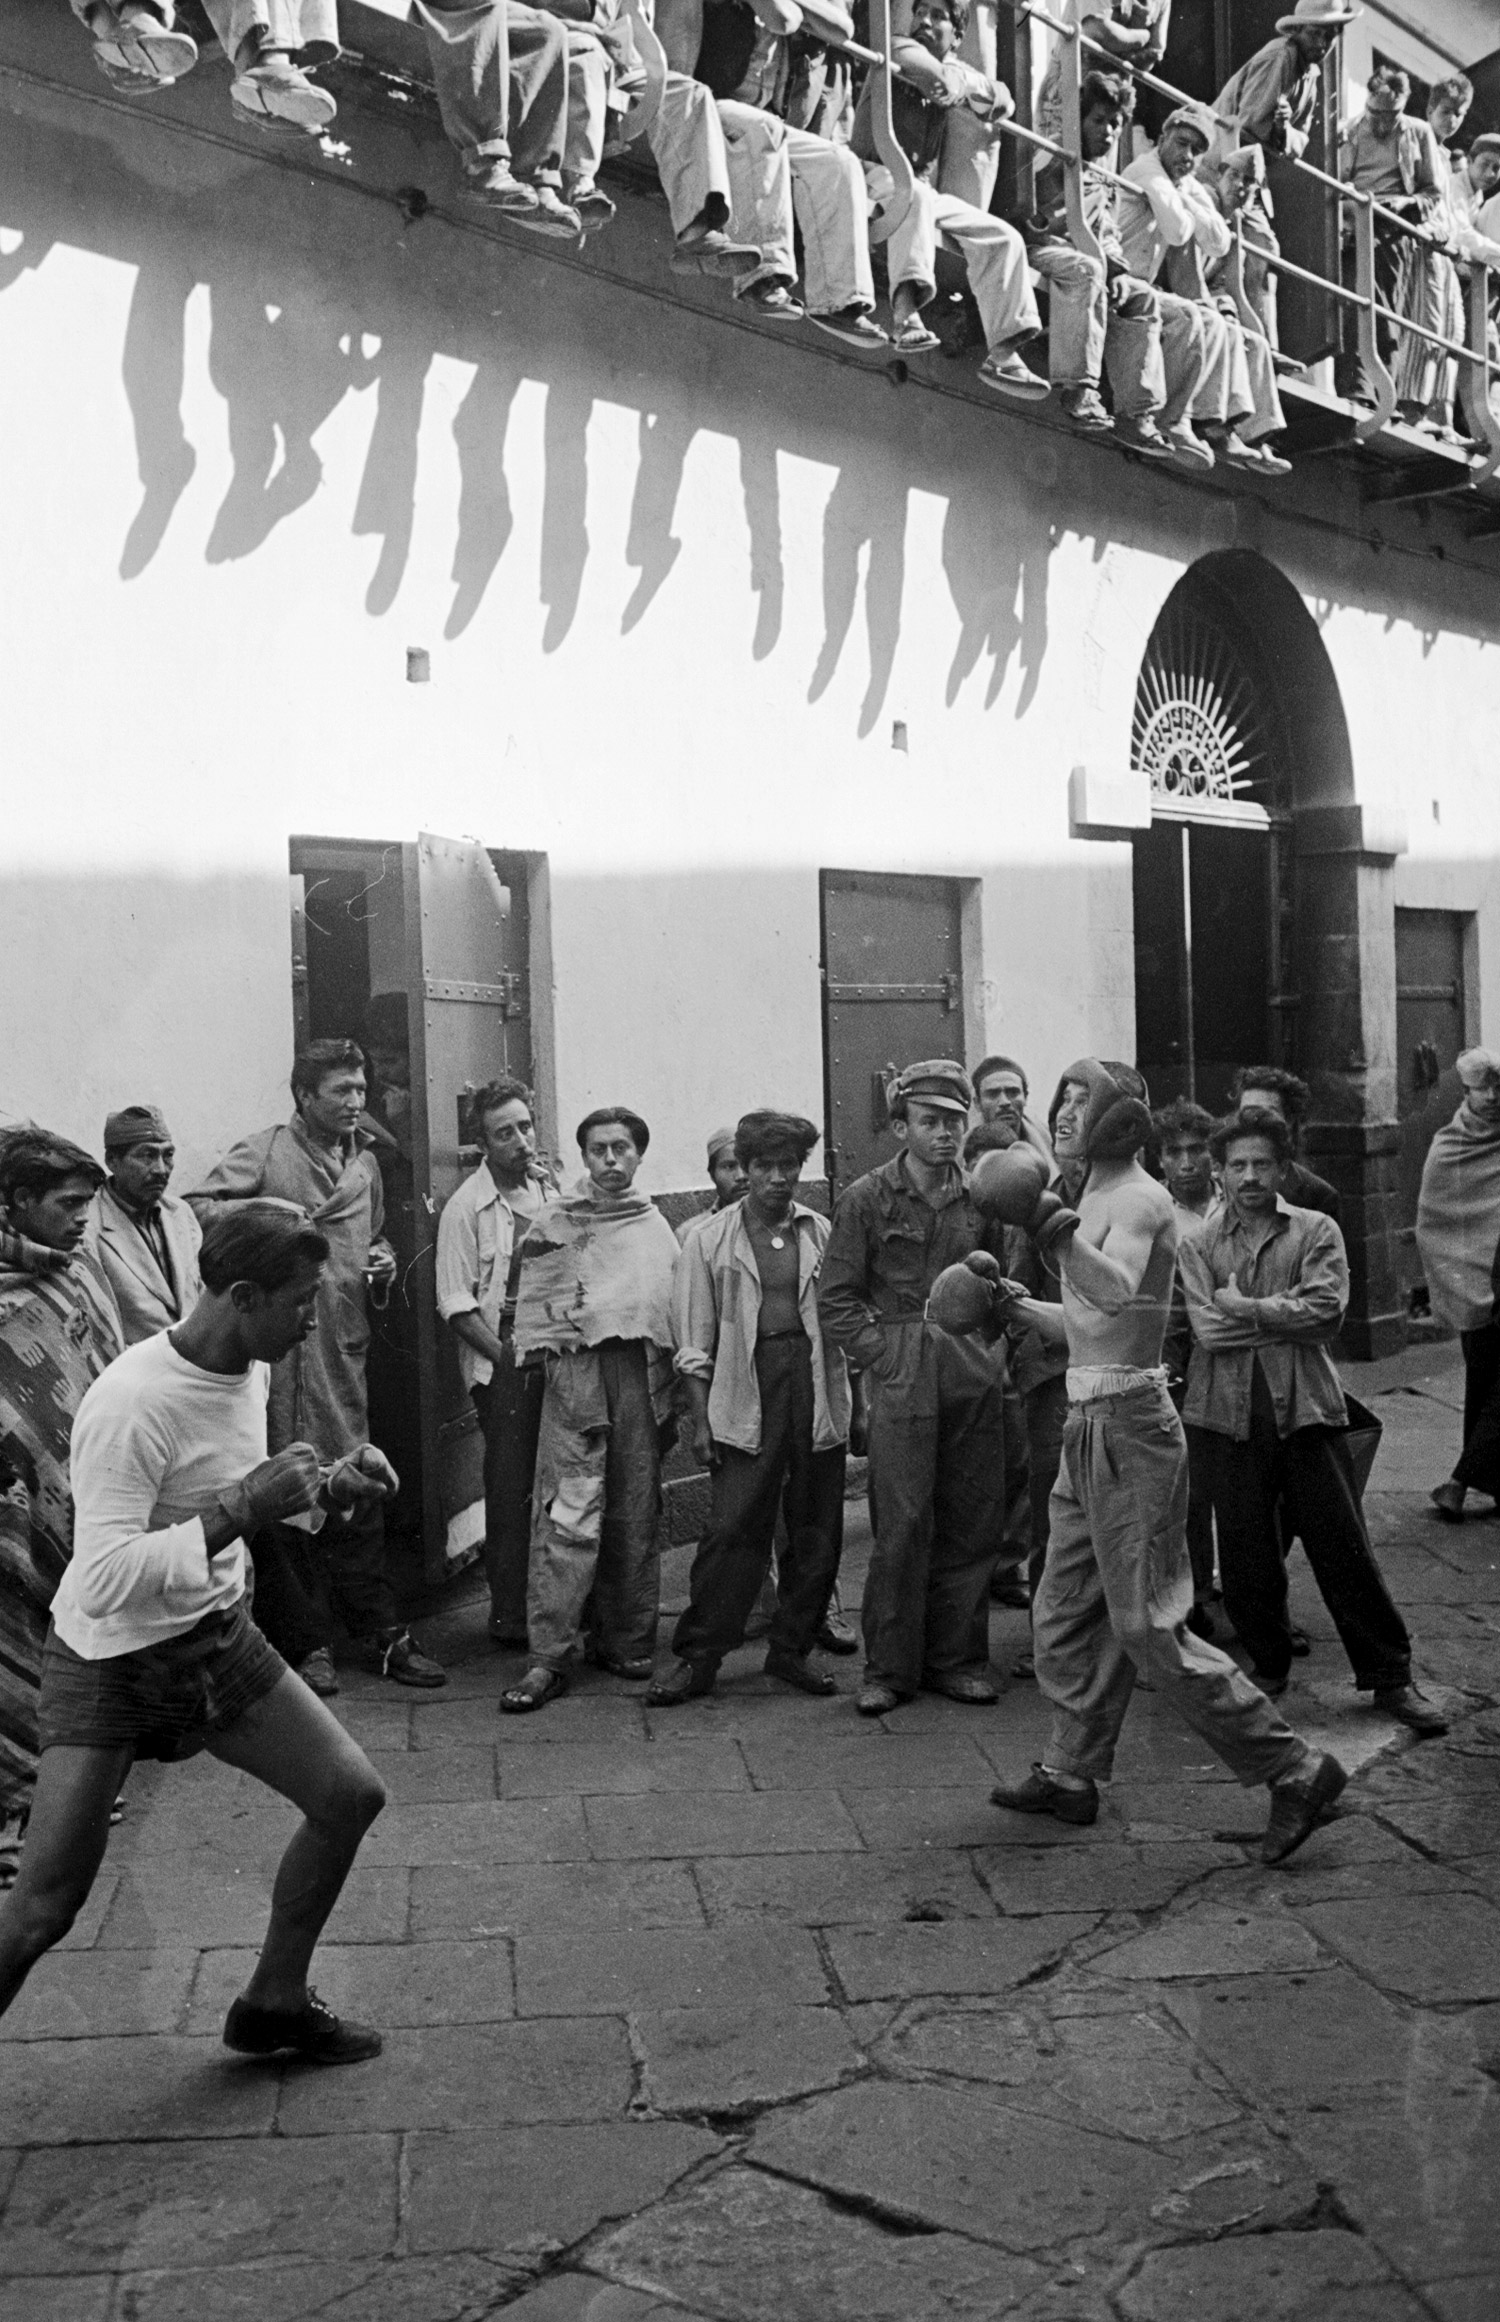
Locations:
{"points": [[589, 1337], [765, 123]]}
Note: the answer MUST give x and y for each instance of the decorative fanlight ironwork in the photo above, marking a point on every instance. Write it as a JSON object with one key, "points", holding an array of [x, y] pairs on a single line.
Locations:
{"points": [[1199, 731]]}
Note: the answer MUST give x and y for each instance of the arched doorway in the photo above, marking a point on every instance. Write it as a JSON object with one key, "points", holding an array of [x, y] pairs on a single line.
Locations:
{"points": [[1265, 896], [1237, 726]]}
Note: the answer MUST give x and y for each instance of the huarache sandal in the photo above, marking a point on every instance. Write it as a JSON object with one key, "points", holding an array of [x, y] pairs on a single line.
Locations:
{"points": [[534, 1691], [913, 337]]}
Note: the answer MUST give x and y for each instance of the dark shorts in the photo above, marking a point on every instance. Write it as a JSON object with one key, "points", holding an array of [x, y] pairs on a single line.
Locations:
{"points": [[166, 1700]]}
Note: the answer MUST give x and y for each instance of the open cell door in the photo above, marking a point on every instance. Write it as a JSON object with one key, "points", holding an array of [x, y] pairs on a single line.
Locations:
{"points": [[466, 1010]]}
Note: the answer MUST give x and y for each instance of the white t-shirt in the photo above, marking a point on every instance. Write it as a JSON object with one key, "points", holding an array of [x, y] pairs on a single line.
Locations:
{"points": [[155, 1443]]}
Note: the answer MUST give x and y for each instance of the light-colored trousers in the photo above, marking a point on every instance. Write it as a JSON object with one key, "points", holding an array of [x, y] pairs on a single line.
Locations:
{"points": [[994, 255], [776, 170], [1116, 1590], [596, 1508], [687, 141]]}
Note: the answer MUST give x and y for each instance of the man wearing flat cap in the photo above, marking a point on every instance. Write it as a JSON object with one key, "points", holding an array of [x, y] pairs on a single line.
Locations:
{"points": [[937, 1426], [145, 1239]]}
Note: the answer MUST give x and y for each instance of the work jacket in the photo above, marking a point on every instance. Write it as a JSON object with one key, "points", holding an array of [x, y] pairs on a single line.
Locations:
{"points": [[1299, 1278], [715, 1314], [887, 1248]]}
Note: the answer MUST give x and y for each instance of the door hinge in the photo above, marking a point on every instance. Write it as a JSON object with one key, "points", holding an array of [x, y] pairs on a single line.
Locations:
{"points": [[504, 994]]}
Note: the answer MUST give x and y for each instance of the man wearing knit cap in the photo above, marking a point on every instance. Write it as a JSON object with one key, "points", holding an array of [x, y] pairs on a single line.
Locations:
{"points": [[937, 1427], [1118, 1586], [145, 1239]]}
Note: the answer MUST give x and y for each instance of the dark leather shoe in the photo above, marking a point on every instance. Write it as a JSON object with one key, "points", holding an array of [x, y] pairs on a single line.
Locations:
{"points": [[397, 1655], [1039, 1794], [1412, 1709], [1298, 1806], [973, 1692], [319, 1673], [794, 1671], [684, 1681], [836, 1636], [1008, 1589], [875, 1699], [1272, 1687], [636, 1671], [312, 2031], [1448, 1500]]}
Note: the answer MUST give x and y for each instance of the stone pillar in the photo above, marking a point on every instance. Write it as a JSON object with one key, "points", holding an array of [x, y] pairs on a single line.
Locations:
{"points": [[1346, 1047]]}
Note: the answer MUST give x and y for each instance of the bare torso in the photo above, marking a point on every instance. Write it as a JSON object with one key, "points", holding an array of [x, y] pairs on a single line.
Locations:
{"points": [[1135, 1217]]}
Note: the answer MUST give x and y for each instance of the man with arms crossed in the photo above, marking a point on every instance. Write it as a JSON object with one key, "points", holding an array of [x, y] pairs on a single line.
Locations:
{"points": [[152, 1651], [1117, 1587]]}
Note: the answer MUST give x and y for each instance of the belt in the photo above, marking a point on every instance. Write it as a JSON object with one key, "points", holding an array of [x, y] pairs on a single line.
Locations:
{"points": [[1091, 1383], [775, 1337]]}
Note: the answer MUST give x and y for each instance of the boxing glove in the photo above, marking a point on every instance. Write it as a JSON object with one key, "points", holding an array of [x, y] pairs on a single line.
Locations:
{"points": [[980, 1262], [1012, 1187], [287, 1484], [1008, 1185], [960, 1300]]}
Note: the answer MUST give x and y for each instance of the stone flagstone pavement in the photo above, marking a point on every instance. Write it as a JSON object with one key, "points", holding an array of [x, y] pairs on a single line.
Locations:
{"points": [[753, 2011]]}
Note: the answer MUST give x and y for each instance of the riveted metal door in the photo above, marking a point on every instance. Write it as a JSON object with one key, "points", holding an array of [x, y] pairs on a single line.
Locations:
{"points": [[467, 1014], [892, 994], [1429, 1036]]}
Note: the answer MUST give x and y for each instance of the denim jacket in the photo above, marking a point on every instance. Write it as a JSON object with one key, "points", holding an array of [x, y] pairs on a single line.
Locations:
{"points": [[1299, 1279]]}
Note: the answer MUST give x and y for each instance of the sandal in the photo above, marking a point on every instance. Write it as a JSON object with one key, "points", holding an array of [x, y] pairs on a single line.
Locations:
{"points": [[535, 1690], [914, 338]]}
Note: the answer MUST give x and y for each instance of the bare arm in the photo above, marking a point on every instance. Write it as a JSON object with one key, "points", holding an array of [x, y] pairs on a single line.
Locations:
{"points": [[1110, 1275], [475, 1332]]}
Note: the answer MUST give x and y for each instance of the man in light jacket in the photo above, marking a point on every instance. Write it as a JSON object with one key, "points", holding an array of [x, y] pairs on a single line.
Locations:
{"points": [[770, 1416], [145, 1239]]}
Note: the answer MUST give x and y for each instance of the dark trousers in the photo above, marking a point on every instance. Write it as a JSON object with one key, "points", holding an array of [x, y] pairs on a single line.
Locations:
{"points": [[937, 1499], [748, 1487], [1018, 1524], [1046, 1417], [509, 1405], [1479, 1468], [1311, 1474], [1391, 263], [303, 1579]]}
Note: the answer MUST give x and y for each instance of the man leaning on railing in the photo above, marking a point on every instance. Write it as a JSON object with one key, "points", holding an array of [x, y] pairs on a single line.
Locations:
{"points": [[1395, 159], [1271, 101]]}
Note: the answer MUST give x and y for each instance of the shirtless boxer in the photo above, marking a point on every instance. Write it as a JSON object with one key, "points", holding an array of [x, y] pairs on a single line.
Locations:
{"points": [[1117, 1587]]}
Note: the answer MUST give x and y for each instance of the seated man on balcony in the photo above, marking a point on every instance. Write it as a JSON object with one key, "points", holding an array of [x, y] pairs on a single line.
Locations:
{"points": [[518, 89], [139, 47], [742, 54], [1271, 101], [1150, 340], [1395, 158], [932, 83], [1172, 229]]}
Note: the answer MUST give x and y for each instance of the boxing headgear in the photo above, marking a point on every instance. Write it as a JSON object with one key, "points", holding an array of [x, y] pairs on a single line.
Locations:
{"points": [[1117, 1122]]}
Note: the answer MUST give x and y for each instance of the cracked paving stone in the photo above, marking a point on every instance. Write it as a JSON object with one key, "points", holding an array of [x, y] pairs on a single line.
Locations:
{"points": [[722, 1822], [480, 1832], [160, 1903], [952, 2158], [1134, 1878], [1295, 2040], [525, 2195], [723, 2060], [1474, 2300], [959, 1955], [1130, 2074], [603, 1769], [140, 2207], [463, 2288], [1281, 2277], [1429, 1947], [1415, 2171], [1211, 1940], [748, 2248]]}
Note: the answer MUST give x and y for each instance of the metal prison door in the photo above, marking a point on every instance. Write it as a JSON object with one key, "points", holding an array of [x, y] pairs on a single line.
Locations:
{"points": [[892, 994], [468, 1024]]}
